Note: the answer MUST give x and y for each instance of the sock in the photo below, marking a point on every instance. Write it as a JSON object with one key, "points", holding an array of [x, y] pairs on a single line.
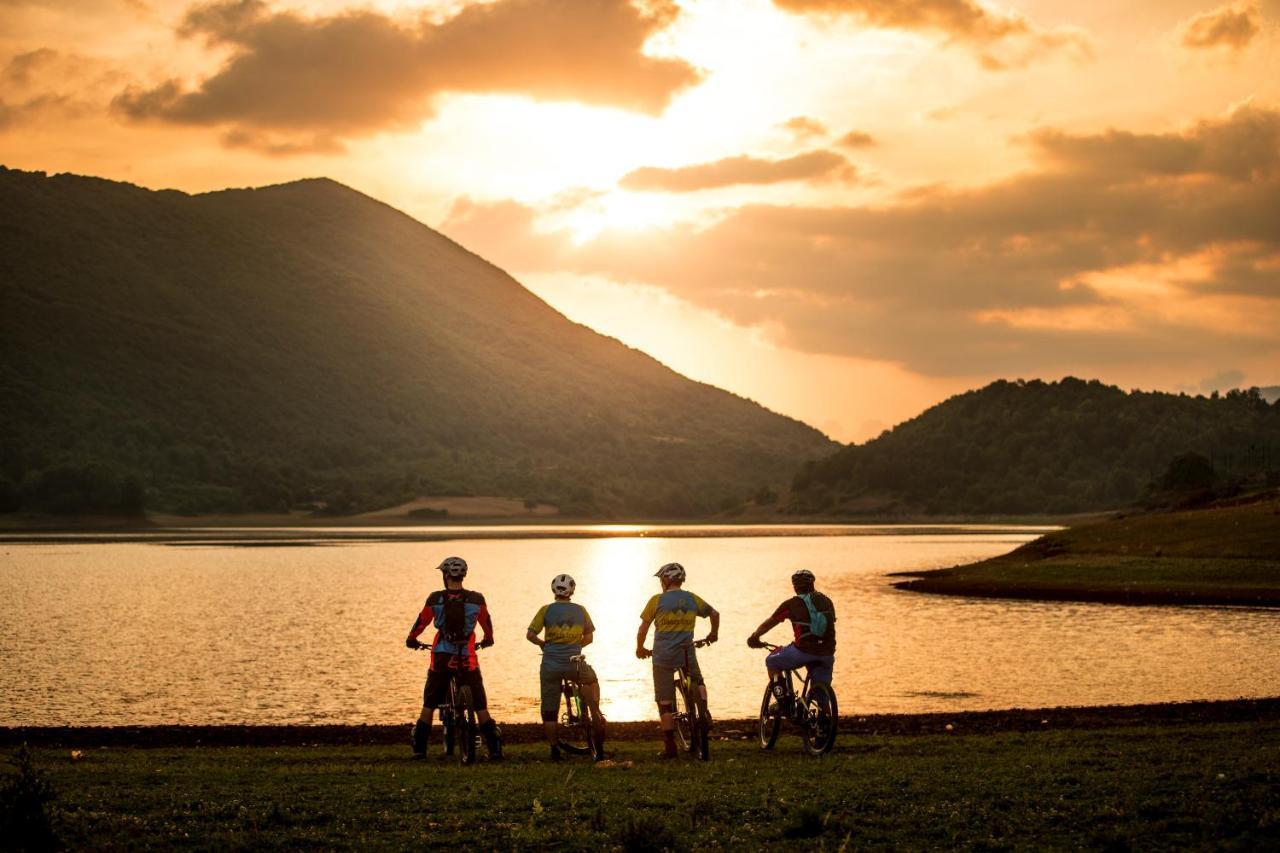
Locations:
{"points": [[669, 742]]}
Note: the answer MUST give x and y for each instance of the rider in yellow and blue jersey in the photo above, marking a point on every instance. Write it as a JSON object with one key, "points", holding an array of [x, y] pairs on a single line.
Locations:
{"points": [[673, 613], [568, 628]]}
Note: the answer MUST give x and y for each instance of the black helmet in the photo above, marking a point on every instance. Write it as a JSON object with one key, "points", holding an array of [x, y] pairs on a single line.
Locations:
{"points": [[454, 568]]}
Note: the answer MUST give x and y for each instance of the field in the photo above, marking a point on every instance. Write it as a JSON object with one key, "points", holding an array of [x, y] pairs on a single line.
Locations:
{"points": [[1179, 778], [1224, 554]]}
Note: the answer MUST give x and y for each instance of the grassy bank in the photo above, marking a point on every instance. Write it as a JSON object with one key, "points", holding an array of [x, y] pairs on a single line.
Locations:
{"points": [[1223, 554], [1151, 786]]}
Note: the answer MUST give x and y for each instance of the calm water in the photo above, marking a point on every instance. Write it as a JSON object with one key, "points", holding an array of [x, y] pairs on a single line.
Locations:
{"points": [[197, 631]]}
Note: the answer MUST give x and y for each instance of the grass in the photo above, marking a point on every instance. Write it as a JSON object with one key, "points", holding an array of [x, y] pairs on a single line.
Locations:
{"points": [[1224, 554], [1209, 785]]}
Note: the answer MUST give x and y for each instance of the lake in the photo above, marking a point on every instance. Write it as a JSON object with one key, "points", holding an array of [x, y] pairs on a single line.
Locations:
{"points": [[308, 625]]}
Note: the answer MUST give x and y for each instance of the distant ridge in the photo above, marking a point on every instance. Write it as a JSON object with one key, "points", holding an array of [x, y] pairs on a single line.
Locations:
{"points": [[1042, 447], [305, 346]]}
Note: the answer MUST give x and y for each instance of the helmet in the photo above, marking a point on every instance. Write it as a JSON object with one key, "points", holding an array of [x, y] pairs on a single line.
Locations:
{"points": [[454, 568], [671, 572], [563, 585], [802, 577]]}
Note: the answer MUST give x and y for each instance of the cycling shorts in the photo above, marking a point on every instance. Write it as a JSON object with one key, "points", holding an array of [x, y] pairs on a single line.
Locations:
{"points": [[664, 686], [551, 679], [821, 667], [436, 691]]}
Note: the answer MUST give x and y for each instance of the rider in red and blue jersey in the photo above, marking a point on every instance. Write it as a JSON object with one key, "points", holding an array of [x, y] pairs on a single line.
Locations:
{"points": [[454, 612], [813, 649]]}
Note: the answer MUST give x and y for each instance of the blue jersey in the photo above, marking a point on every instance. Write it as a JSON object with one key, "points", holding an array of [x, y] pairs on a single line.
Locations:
{"points": [[673, 614], [565, 623]]}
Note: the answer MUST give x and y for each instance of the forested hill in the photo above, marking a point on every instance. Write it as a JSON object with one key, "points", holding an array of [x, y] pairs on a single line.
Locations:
{"points": [[305, 345], [1044, 447]]}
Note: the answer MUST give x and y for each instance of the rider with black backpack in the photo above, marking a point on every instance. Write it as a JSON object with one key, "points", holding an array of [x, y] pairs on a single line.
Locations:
{"points": [[813, 620], [455, 612]]}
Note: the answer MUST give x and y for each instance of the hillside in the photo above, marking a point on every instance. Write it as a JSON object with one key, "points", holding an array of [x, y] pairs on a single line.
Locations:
{"points": [[1043, 447], [1224, 553], [304, 345]]}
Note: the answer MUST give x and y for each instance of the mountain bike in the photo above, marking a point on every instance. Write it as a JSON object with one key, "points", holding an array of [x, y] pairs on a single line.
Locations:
{"points": [[579, 727], [693, 722], [813, 711], [458, 715]]}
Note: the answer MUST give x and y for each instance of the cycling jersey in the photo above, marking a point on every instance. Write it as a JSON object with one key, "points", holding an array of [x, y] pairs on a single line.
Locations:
{"points": [[673, 614], [464, 607], [565, 623], [794, 609]]}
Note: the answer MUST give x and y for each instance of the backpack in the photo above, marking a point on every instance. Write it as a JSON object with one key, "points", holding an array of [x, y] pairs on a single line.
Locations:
{"points": [[817, 619], [455, 617]]}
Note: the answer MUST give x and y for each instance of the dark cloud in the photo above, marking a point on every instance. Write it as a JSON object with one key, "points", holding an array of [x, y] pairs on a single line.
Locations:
{"points": [[966, 281], [804, 127], [731, 171], [360, 71], [1230, 27], [1002, 40], [856, 139], [23, 68]]}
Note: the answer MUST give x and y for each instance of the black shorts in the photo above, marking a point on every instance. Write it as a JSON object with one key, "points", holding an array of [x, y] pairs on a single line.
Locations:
{"points": [[436, 691]]}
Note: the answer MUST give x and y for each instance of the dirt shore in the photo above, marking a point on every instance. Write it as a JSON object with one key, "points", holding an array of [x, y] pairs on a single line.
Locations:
{"points": [[961, 723]]}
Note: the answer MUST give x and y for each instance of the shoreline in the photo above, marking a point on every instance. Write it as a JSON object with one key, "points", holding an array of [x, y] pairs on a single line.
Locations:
{"points": [[1206, 597], [1265, 709]]}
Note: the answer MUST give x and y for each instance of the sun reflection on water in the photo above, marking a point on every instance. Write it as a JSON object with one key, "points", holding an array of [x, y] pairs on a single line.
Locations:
{"points": [[614, 584]]}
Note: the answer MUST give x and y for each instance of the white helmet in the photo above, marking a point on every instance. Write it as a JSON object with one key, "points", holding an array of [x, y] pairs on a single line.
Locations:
{"points": [[563, 585], [671, 573], [453, 568]]}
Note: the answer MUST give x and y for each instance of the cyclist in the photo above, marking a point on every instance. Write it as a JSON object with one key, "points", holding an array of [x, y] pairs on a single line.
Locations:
{"points": [[815, 649], [568, 628], [673, 613], [454, 612]]}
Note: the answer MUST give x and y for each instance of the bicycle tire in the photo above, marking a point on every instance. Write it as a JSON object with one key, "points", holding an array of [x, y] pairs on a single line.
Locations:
{"points": [[683, 716], [575, 735], [770, 719], [822, 716], [450, 732], [468, 728]]}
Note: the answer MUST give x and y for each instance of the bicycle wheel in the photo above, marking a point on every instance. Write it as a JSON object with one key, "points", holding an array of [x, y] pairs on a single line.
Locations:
{"points": [[468, 730], [575, 724], [821, 716], [683, 715], [450, 731], [770, 718]]}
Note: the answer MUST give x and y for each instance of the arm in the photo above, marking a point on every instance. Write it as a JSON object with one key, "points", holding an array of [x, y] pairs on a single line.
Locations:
{"points": [[641, 635], [534, 638], [486, 626], [587, 638], [765, 627], [715, 626], [420, 624]]}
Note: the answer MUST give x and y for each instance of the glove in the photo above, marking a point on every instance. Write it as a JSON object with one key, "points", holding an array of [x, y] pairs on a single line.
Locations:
{"points": [[412, 643], [485, 643], [754, 642]]}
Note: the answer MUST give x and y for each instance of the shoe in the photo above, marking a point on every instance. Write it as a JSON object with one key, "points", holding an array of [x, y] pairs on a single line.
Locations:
{"points": [[666, 756], [492, 740], [418, 739], [555, 754]]}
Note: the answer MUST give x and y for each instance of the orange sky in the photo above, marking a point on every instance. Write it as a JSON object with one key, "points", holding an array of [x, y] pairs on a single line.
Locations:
{"points": [[844, 209]]}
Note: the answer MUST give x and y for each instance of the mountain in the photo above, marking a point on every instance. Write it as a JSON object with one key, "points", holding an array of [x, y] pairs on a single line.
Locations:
{"points": [[304, 345], [1044, 447], [1271, 393]]}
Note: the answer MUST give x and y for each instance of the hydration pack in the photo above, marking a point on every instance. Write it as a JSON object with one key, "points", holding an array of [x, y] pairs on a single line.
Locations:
{"points": [[455, 617], [817, 619]]}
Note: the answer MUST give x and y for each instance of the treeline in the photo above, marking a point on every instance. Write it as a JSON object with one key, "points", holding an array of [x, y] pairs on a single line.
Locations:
{"points": [[1049, 447]]}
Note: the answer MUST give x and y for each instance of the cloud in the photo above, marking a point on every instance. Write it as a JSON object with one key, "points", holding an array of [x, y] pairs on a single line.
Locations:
{"points": [[731, 171], [359, 71], [20, 69], [804, 127], [1229, 27], [856, 139], [1012, 276], [1001, 40]]}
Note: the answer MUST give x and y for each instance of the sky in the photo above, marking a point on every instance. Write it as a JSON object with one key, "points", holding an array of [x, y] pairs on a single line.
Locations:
{"points": [[846, 210]]}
